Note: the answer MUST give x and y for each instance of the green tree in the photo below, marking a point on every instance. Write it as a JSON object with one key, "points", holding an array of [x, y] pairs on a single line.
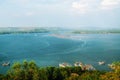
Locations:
{"points": [[50, 72], [77, 70], [24, 71], [57, 74], [110, 76], [90, 75], [43, 74], [16, 72]]}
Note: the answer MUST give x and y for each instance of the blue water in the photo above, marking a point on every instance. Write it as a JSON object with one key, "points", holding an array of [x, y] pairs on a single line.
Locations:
{"points": [[48, 50]]}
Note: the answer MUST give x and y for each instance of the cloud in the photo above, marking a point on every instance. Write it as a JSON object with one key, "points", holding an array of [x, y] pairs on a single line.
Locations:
{"points": [[70, 6], [50, 2], [87, 6], [83, 6], [80, 7], [109, 4]]}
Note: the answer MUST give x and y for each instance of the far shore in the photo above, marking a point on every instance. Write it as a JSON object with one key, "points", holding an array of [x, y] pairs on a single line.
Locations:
{"points": [[17, 30]]}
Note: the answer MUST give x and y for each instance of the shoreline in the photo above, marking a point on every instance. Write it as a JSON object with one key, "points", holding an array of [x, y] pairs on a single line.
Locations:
{"points": [[30, 70]]}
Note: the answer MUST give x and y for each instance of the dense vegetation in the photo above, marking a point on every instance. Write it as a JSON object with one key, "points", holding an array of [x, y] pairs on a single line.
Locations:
{"points": [[95, 31], [30, 71], [14, 30]]}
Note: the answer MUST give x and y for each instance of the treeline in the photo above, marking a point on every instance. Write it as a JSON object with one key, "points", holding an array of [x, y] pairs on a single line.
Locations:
{"points": [[23, 30], [30, 71], [95, 31]]}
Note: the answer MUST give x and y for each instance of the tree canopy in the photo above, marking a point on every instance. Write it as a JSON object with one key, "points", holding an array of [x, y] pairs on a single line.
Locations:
{"points": [[30, 71]]}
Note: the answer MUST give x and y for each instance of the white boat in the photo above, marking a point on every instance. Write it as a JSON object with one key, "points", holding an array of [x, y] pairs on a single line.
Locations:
{"points": [[101, 62], [64, 65], [76, 64], [84, 66], [112, 66], [89, 67], [6, 64]]}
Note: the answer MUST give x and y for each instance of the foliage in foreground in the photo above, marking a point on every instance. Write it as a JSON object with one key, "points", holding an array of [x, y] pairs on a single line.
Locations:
{"points": [[30, 71]]}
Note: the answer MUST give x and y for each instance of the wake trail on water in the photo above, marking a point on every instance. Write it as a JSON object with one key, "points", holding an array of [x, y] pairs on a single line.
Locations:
{"points": [[70, 50], [46, 45], [77, 48]]}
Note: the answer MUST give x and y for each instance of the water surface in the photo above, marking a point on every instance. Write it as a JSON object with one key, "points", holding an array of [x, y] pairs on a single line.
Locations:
{"points": [[50, 50]]}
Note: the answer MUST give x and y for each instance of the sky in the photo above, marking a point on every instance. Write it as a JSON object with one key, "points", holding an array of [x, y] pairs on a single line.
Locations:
{"points": [[60, 13]]}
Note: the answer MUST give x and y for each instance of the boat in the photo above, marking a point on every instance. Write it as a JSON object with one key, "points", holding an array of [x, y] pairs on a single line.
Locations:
{"points": [[6, 64], [89, 67], [84, 66], [78, 64], [112, 66], [101, 62], [64, 65]]}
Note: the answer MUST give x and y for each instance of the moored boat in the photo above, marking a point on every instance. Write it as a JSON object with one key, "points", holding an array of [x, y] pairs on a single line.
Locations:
{"points": [[76, 64], [6, 64], [64, 65], [101, 62], [84, 66]]}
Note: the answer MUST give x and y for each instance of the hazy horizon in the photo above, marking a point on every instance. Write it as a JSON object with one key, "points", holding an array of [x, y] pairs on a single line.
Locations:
{"points": [[60, 28]]}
